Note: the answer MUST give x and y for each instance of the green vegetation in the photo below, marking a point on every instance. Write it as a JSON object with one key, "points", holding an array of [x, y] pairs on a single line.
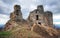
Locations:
{"points": [[4, 34]]}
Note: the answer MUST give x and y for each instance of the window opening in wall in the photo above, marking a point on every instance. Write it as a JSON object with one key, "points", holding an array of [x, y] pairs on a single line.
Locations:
{"points": [[37, 17], [39, 23]]}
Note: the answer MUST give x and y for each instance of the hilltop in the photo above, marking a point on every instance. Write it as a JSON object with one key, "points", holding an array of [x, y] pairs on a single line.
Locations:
{"points": [[38, 25]]}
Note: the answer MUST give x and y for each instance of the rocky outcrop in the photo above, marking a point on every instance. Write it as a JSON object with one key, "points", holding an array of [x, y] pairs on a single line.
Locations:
{"points": [[15, 19], [38, 25], [38, 32], [45, 31], [16, 15]]}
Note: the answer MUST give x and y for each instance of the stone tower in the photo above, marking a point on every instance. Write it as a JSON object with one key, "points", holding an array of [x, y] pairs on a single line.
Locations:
{"points": [[40, 17], [49, 18], [16, 14], [37, 16]]}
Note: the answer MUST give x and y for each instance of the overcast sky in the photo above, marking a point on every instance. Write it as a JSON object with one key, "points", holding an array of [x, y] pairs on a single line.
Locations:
{"points": [[6, 7]]}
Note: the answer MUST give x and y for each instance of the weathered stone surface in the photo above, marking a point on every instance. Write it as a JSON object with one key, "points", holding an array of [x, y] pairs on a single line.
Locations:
{"points": [[49, 18], [40, 17], [16, 15], [38, 25], [45, 31], [15, 18]]}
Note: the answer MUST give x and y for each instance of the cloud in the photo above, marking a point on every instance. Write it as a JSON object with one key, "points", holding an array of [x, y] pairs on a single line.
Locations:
{"points": [[3, 18], [54, 8], [56, 22], [56, 19], [10, 2], [6, 7], [56, 16], [51, 5]]}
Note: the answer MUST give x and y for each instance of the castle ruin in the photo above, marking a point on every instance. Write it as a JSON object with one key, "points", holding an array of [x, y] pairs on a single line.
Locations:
{"points": [[37, 16], [16, 14], [38, 22], [40, 17]]}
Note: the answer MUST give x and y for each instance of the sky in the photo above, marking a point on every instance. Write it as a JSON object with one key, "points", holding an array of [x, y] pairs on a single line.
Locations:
{"points": [[6, 7]]}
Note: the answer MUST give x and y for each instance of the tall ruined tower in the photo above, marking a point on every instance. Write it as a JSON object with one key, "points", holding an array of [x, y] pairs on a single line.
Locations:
{"points": [[49, 18], [37, 16], [40, 17], [15, 17], [16, 14]]}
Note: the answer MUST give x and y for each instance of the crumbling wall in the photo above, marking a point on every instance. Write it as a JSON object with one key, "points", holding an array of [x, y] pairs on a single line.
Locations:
{"points": [[15, 17], [16, 14], [49, 18], [37, 15]]}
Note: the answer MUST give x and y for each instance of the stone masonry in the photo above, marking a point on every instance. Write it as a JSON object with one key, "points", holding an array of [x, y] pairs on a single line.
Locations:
{"points": [[16, 14], [37, 16]]}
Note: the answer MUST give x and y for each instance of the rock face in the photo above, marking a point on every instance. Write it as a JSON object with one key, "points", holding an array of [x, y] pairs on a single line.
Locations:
{"points": [[15, 17], [38, 25]]}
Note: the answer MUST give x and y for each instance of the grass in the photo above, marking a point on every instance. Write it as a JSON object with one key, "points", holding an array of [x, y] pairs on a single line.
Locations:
{"points": [[4, 34]]}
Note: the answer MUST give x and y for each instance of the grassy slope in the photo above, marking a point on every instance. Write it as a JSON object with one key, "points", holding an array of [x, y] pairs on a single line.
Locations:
{"points": [[4, 34]]}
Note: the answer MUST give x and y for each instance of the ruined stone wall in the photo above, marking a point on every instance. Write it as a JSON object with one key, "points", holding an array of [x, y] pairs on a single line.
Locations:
{"points": [[15, 17], [49, 18], [43, 17], [37, 15], [16, 14]]}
